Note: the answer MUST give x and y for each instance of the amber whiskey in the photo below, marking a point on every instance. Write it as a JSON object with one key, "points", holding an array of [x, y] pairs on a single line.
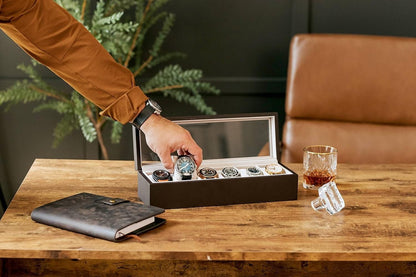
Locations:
{"points": [[317, 177]]}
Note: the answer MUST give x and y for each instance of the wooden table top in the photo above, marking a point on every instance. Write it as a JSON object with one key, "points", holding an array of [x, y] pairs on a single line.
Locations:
{"points": [[377, 224]]}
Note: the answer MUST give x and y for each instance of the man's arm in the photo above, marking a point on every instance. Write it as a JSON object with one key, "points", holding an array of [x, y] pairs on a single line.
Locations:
{"points": [[53, 37]]}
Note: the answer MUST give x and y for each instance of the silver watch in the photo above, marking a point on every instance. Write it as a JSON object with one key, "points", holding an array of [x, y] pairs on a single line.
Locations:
{"points": [[254, 171], [184, 167], [230, 172]]}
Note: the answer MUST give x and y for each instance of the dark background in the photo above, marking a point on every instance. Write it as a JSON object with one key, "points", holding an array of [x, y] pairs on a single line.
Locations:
{"points": [[241, 46]]}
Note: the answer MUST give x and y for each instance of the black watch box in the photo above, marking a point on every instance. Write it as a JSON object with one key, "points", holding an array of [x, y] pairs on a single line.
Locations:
{"points": [[240, 141]]}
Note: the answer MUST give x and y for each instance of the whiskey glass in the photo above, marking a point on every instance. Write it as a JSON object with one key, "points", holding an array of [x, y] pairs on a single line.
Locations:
{"points": [[319, 165]]}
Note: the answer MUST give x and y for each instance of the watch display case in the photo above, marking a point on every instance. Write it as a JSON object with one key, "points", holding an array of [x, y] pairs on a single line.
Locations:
{"points": [[240, 164]]}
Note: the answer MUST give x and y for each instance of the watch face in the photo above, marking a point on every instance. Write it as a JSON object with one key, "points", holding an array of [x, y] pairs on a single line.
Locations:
{"points": [[161, 175], [155, 106], [254, 171], [207, 173], [185, 165], [230, 172], [274, 169]]}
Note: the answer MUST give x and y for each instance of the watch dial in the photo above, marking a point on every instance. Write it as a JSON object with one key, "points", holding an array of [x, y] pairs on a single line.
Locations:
{"points": [[274, 169], [208, 173], [162, 174], [229, 172], [254, 170], [185, 165]]}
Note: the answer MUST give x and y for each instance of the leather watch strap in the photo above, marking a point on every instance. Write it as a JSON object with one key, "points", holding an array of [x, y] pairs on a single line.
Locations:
{"points": [[150, 108], [143, 116]]}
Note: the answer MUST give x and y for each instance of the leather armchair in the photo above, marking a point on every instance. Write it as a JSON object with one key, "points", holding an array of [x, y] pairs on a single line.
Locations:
{"points": [[354, 92]]}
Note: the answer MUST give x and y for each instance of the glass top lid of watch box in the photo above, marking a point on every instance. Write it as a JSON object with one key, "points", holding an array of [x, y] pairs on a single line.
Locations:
{"points": [[229, 139]]}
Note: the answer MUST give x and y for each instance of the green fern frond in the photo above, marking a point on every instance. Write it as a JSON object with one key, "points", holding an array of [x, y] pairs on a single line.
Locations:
{"points": [[20, 92], [77, 102], [163, 33], [191, 75], [116, 37], [192, 88], [165, 58], [140, 6], [65, 126], [58, 106], [146, 26], [156, 5], [113, 34], [34, 62], [86, 126], [116, 132], [34, 76], [165, 77], [151, 21], [119, 5], [160, 60], [173, 75], [207, 87], [108, 20], [194, 100], [99, 12], [198, 88]]}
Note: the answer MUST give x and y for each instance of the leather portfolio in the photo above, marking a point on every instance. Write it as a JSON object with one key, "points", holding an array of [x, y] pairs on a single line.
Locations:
{"points": [[113, 219]]}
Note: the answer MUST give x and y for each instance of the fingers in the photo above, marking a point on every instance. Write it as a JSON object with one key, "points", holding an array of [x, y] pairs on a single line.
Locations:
{"points": [[164, 137], [196, 152], [166, 160]]}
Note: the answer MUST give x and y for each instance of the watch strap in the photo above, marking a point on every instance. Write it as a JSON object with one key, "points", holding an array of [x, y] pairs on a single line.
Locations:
{"points": [[143, 116]]}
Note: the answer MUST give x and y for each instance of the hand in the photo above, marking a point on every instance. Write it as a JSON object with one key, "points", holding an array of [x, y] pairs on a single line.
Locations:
{"points": [[165, 137]]}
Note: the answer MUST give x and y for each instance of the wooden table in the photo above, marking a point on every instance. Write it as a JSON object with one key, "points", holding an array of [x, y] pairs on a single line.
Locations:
{"points": [[375, 233]]}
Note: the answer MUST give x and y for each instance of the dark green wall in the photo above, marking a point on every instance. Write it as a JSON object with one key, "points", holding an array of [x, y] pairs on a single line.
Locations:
{"points": [[242, 47]]}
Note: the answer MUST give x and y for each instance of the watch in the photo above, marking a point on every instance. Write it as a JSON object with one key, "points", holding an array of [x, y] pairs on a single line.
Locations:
{"points": [[161, 175], [254, 171], [230, 172], [207, 173], [150, 108], [274, 169], [185, 167]]}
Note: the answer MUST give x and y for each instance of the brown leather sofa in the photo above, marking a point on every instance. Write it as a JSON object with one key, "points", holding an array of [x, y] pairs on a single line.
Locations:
{"points": [[354, 92]]}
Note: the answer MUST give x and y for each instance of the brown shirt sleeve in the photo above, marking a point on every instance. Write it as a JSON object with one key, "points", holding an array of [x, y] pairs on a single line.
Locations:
{"points": [[52, 36]]}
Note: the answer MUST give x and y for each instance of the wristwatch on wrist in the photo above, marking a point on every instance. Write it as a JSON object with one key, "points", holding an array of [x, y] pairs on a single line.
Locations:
{"points": [[185, 167], [150, 108]]}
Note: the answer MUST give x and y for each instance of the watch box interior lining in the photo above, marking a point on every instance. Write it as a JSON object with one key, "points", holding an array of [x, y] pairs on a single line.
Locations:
{"points": [[218, 164]]}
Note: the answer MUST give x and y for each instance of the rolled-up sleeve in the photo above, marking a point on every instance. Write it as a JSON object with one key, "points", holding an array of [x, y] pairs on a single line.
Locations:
{"points": [[53, 37]]}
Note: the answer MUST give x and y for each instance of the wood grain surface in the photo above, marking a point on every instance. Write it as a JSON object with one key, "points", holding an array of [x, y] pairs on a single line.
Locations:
{"points": [[378, 223]]}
